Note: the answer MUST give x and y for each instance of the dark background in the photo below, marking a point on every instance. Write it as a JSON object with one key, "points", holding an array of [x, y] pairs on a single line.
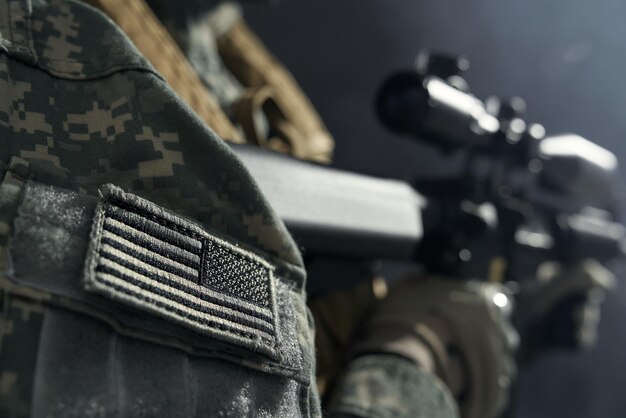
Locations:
{"points": [[566, 58]]}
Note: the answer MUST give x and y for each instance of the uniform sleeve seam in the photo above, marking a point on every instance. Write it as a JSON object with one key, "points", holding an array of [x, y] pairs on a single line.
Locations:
{"points": [[66, 75]]}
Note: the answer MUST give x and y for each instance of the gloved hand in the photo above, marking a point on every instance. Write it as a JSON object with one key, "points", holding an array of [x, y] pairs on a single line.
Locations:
{"points": [[456, 330], [561, 308]]}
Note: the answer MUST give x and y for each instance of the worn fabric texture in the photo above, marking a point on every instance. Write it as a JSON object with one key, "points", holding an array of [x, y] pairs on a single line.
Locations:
{"points": [[81, 108], [388, 386], [139, 23]]}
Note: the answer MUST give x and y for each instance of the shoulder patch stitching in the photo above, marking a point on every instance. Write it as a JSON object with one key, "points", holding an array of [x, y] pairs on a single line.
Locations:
{"points": [[160, 262]]}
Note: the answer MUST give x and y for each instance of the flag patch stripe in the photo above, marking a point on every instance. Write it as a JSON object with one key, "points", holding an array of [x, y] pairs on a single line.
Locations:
{"points": [[147, 241], [177, 283], [161, 302], [192, 304], [154, 229], [135, 261], [145, 253]]}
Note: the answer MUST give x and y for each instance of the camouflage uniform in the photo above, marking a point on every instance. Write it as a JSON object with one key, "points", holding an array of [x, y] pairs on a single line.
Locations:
{"points": [[220, 329]]}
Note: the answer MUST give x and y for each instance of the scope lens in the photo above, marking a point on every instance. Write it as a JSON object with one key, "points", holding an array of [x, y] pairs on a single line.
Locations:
{"points": [[402, 102]]}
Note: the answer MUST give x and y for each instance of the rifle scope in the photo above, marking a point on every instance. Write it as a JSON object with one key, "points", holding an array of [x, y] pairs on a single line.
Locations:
{"points": [[427, 107], [432, 103]]}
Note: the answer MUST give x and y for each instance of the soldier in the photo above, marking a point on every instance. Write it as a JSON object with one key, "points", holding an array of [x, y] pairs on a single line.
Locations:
{"points": [[143, 274]]}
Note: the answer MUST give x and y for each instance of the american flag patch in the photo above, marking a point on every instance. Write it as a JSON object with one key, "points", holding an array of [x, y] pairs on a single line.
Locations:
{"points": [[142, 255]]}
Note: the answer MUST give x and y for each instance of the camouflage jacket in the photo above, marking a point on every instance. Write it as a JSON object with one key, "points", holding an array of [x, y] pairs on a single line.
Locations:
{"points": [[142, 272]]}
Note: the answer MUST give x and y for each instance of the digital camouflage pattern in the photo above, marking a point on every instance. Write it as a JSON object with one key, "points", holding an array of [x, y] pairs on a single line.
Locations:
{"points": [[160, 49], [389, 386], [126, 128], [81, 108]]}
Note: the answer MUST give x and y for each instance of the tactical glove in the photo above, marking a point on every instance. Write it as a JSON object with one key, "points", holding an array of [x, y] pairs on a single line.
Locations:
{"points": [[561, 308], [455, 330]]}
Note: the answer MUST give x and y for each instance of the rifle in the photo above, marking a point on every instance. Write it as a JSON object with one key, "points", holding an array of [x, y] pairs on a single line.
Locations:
{"points": [[520, 198]]}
